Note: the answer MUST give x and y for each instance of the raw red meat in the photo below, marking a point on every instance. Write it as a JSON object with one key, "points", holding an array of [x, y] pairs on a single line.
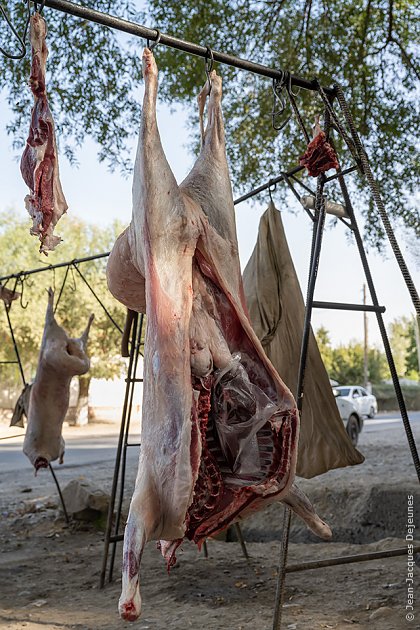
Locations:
{"points": [[319, 156], [39, 164]]}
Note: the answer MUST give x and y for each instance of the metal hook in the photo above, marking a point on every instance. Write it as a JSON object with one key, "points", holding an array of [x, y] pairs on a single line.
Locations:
{"points": [[209, 63], [21, 280], [155, 42], [278, 86], [36, 6], [21, 40], [272, 188]]}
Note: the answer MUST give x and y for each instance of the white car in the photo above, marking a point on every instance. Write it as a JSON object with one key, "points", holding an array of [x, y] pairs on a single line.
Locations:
{"points": [[364, 403], [353, 421]]}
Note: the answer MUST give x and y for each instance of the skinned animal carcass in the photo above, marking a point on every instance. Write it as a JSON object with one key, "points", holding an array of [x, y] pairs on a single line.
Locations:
{"points": [[60, 358], [39, 164], [219, 428]]}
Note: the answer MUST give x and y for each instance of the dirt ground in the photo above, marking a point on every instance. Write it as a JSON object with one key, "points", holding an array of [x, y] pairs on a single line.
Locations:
{"points": [[49, 572]]}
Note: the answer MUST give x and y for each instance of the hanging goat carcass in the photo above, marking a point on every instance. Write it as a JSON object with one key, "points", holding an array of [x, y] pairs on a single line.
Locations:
{"points": [[220, 428], [39, 165], [60, 359]]}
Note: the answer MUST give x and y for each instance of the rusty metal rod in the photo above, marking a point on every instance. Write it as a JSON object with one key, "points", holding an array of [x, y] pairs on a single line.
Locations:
{"points": [[179, 44], [360, 557]]}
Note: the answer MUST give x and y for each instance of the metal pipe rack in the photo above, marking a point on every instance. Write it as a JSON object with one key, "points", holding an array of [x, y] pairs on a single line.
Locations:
{"points": [[153, 34]]}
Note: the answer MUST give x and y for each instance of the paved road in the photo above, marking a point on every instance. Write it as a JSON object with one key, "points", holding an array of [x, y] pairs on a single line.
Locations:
{"points": [[79, 452], [384, 421], [82, 451]]}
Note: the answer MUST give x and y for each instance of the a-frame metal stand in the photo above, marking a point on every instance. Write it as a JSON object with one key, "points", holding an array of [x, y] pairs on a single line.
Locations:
{"points": [[134, 327], [318, 228]]}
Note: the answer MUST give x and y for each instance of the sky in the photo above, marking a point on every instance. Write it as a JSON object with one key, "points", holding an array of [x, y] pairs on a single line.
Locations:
{"points": [[98, 196]]}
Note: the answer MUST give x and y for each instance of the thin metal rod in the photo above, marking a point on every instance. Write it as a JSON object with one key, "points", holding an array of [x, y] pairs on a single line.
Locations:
{"points": [[346, 171], [316, 250], [117, 463], [12, 334], [108, 314], [271, 182], [137, 343], [179, 44], [278, 607], [241, 540], [360, 557], [75, 261], [62, 289], [205, 549], [63, 505], [342, 306]]}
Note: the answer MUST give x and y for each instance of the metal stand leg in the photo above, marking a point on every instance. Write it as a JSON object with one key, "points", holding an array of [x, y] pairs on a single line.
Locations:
{"points": [[315, 254], [281, 580], [136, 333], [63, 505]]}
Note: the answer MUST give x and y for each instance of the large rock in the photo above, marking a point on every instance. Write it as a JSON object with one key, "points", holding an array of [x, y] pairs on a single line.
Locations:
{"points": [[84, 501]]}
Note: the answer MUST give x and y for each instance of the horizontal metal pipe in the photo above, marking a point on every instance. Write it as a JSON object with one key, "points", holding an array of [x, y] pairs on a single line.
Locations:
{"points": [[350, 307], [76, 261], [360, 557], [174, 42], [346, 171], [271, 182]]}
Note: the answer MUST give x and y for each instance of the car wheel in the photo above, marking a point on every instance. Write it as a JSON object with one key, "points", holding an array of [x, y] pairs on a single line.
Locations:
{"points": [[353, 429]]}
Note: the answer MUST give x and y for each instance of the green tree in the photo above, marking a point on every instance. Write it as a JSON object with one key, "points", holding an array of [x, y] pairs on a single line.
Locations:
{"points": [[412, 357], [347, 364], [367, 45], [325, 348], [400, 332], [18, 252]]}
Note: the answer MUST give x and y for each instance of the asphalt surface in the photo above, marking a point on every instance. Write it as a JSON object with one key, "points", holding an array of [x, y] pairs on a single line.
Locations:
{"points": [[86, 450]]}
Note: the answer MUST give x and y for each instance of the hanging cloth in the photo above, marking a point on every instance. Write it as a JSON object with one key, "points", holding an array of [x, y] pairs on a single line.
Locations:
{"points": [[277, 310]]}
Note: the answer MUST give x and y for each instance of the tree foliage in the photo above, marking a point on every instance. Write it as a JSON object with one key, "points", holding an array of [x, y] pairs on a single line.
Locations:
{"points": [[366, 45], [17, 252], [345, 363]]}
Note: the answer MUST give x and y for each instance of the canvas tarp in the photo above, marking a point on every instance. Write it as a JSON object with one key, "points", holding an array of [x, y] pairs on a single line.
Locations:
{"points": [[277, 310]]}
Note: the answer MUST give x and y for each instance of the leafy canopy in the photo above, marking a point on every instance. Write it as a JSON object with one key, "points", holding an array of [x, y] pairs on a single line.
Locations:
{"points": [[366, 45]]}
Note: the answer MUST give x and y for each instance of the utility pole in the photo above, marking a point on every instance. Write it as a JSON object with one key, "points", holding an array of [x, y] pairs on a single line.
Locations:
{"points": [[365, 345]]}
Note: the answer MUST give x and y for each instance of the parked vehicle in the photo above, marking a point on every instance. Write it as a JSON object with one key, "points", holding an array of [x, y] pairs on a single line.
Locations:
{"points": [[364, 403], [349, 414]]}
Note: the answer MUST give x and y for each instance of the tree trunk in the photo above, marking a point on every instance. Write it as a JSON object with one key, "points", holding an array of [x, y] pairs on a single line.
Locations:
{"points": [[82, 407]]}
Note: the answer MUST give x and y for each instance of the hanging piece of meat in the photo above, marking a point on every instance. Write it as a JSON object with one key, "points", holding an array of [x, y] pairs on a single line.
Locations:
{"points": [[219, 428], [60, 358], [7, 295], [21, 407], [39, 163], [319, 156]]}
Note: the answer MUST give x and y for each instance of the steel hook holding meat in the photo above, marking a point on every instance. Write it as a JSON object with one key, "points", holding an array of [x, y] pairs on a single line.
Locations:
{"points": [[219, 428]]}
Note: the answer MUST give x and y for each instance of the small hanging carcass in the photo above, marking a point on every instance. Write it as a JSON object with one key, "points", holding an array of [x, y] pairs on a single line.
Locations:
{"points": [[61, 357]]}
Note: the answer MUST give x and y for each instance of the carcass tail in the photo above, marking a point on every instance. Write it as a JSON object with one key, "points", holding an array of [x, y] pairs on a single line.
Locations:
{"points": [[129, 605], [300, 504]]}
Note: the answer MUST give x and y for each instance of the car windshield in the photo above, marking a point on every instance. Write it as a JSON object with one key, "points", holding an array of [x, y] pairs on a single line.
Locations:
{"points": [[343, 391]]}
